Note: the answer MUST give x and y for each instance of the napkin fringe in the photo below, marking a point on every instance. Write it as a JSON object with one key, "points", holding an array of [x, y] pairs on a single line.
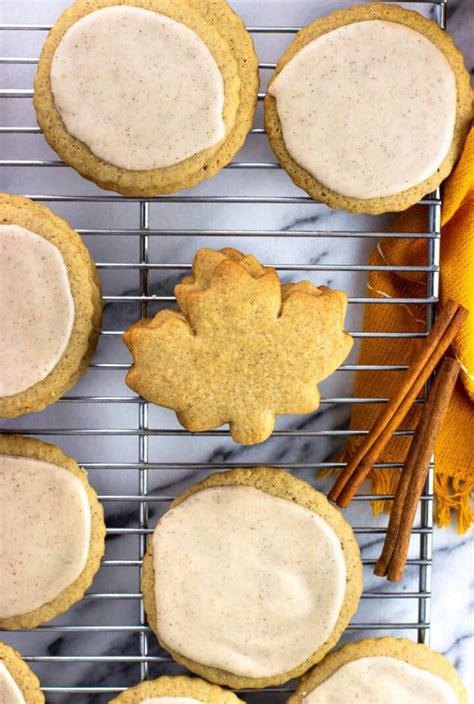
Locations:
{"points": [[454, 494], [451, 493]]}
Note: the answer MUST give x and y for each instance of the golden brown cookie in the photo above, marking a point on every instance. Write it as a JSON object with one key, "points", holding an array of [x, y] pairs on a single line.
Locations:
{"points": [[232, 48], [189, 687], [415, 654], [275, 483], [242, 349], [17, 447], [395, 200], [24, 677], [85, 290]]}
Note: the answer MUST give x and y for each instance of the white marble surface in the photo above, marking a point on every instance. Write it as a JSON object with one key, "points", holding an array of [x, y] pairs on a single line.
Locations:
{"points": [[453, 570]]}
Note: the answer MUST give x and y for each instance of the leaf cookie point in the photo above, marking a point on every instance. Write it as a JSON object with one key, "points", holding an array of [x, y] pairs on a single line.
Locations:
{"points": [[152, 343], [256, 426], [243, 350]]}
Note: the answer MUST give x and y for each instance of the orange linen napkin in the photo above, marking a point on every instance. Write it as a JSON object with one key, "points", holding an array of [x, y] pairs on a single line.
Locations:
{"points": [[454, 478]]}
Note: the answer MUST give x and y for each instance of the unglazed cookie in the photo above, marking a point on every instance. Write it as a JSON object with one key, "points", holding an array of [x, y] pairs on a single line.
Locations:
{"points": [[18, 684], [50, 306], [368, 108], [52, 529], [147, 96], [382, 671], [176, 690], [241, 349], [251, 577]]}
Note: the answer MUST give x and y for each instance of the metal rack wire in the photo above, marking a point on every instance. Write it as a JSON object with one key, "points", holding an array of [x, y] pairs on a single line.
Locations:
{"points": [[138, 655]]}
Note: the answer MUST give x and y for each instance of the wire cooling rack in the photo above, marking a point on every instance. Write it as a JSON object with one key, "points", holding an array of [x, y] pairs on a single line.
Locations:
{"points": [[103, 644]]}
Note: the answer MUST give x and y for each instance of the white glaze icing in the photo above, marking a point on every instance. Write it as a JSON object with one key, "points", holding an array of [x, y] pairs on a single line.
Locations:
{"points": [[141, 90], [247, 582], [170, 700], [45, 524], [10, 693], [382, 680], [36, 308], [368, 109]]}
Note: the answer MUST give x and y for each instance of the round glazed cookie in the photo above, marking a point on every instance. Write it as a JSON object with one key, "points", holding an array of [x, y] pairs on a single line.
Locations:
{"points": [[51, 320], [18, 684], [52, 529], [176, 690], [369, 107], [251, 577], [382, 671], [194, 56]]}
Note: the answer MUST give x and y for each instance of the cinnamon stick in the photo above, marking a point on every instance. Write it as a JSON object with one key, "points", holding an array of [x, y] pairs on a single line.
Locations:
{"points": [[397, 510], [450, 318], [440, 397]]}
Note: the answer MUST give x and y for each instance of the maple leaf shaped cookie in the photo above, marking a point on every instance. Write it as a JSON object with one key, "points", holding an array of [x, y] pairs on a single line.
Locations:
{"points": [[242, 349]]}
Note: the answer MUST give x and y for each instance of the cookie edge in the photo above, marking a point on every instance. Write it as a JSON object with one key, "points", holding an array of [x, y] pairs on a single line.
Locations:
{"points": [[23, 675], [177, 686]]}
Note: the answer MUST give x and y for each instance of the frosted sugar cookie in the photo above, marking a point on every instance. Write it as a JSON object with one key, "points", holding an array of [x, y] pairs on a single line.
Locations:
{"points": [[147, 96], [369, 107], [251, 577]]}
